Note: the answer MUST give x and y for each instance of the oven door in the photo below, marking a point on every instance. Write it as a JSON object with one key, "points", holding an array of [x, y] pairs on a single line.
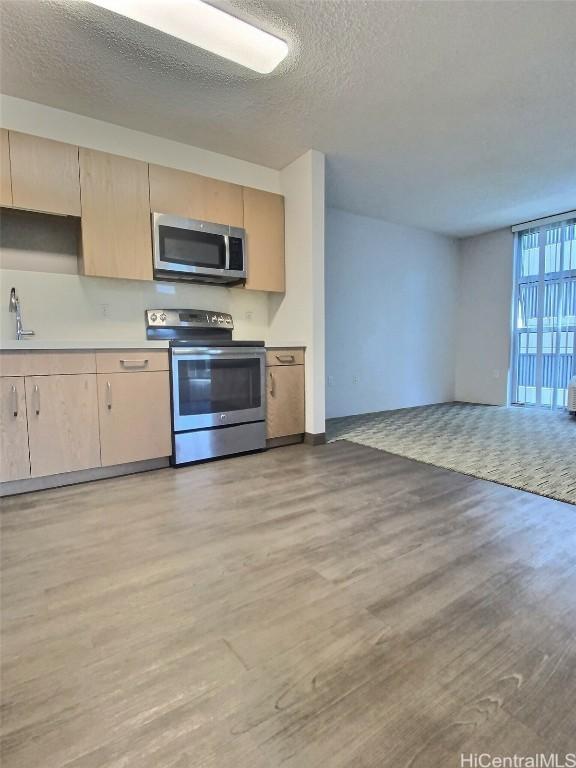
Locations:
{"points": [[189, 248], [215, 387]]}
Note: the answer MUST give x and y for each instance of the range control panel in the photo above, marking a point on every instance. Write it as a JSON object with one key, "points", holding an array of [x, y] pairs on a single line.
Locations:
{"points": [[188, 318]]}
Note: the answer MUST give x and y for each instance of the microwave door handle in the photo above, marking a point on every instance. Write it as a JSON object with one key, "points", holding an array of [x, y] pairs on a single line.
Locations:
{"points": [[227, 246]]}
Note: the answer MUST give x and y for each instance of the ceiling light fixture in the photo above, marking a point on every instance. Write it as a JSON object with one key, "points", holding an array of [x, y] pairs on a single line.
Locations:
{"points": [[207, 27]]}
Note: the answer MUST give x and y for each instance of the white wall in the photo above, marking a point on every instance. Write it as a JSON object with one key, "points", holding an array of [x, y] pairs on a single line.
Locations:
{"points": [[391, 294], [62, 307], [299, 314], [484, 318]]}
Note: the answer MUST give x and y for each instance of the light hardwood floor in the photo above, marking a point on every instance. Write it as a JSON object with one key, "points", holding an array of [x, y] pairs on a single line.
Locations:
{"points": [[331, 606]]}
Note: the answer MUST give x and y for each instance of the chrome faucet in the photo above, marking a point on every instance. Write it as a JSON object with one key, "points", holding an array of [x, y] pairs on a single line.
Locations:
{"points": [[14, 306]]}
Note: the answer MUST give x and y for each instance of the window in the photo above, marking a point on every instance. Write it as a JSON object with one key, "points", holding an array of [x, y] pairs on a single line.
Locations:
{"points": [[544, 343]]}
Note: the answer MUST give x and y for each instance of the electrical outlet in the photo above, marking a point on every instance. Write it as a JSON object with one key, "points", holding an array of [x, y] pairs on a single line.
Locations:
{"points": [[330, 381], [248, 314], [105, 309], [356, 379]]}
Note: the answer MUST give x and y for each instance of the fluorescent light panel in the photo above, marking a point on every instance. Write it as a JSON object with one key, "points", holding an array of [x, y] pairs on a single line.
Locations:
{"points": [[207, 27]]}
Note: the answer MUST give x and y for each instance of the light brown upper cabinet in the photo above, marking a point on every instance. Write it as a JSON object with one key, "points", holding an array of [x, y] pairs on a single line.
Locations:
{"points": [[62, 423], [195, 197], [5, 179], [14, 457], [116, 231], [45, 175], [264, 225]]}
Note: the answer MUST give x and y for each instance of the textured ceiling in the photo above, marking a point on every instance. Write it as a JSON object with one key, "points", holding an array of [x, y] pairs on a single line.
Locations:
{"points": [[459, 117]]}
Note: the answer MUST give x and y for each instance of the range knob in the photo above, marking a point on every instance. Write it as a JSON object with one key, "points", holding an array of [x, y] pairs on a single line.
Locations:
{"points": [[163, 317], [214, 318], [220, 319], [153, 317]]}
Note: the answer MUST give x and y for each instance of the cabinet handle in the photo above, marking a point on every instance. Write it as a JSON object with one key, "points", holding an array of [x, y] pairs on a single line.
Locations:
{"points": [[134, 363], [285, 358], [272, 385], [109, 395], [14, 401], [37, 398]]}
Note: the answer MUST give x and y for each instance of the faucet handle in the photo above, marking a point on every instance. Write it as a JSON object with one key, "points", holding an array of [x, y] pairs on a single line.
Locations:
{"points": [[27, 333]]}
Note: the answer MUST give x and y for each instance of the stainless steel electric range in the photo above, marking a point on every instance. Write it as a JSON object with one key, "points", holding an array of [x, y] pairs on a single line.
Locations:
{"points": [[218, 384]]}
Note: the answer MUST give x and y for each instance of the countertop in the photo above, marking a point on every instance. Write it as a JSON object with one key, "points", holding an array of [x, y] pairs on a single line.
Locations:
{"points": [[47, 344]]}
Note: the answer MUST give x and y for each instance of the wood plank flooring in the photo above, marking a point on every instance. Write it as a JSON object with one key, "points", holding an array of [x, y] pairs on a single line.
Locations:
{"points": [[308, 607]]}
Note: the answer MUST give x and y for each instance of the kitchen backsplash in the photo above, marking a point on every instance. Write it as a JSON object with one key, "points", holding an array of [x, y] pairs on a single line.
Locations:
{"points": [[71, 307]]}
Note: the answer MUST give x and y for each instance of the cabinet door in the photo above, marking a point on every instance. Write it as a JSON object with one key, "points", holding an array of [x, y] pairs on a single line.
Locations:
{"points": [[14, 456], [285, 401], [116, 229], [135, 419], [264, 225], [62, 423], [5, 179], [45, 175], [195, 197]]}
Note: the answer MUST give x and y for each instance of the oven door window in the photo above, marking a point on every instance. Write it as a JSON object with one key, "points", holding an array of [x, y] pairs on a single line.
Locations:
{"points": [[218, 385], [191, 248]]}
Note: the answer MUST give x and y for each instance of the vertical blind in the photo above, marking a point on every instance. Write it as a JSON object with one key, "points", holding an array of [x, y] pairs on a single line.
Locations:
{"points": [[544, 343]]}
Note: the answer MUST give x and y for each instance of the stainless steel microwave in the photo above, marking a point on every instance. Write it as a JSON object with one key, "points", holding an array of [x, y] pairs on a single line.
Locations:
{"points": [[187, 249]]}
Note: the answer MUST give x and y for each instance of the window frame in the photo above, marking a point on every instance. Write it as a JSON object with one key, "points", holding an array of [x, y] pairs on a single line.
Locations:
{"points": [[541, 280]]}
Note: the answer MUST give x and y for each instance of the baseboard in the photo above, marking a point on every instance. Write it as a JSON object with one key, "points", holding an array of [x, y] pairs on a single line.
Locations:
{"points": [[278, 442], [29, 484], [318, 438]]}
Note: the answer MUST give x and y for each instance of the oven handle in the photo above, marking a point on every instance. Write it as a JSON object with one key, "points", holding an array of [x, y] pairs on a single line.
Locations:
{"points": [[198, 352]]}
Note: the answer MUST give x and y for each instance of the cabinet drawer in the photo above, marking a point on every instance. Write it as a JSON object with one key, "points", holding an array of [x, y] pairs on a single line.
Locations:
{"points": [[284, 357], [132, 361], [46, 363]]}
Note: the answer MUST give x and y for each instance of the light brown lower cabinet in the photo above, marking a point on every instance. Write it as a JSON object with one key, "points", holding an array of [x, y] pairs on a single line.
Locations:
{"points": [[62, 423], [285, 401], [135, 421], [14, 456]]}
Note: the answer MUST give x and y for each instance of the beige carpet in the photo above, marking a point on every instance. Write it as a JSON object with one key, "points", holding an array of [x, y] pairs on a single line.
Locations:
{"points": [[530, 449]]}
